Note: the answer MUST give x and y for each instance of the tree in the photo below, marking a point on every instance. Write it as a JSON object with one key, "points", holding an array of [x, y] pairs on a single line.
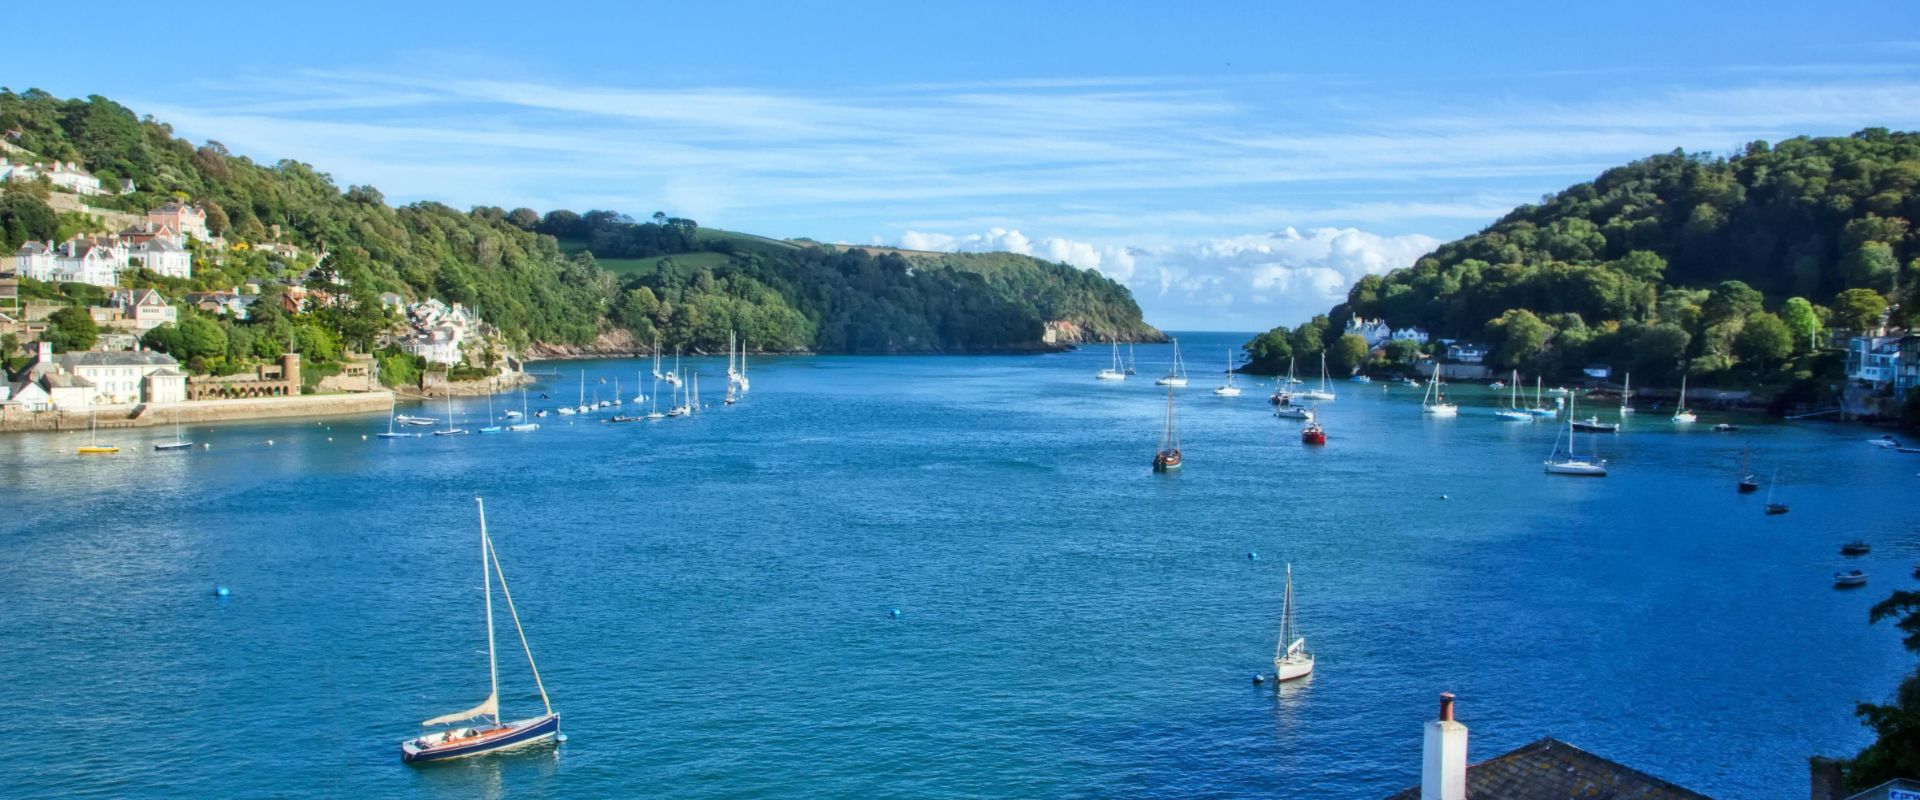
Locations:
{"points": [[1800, 320], [1872, 265], [71, 329], [1402, 351], [1858, 309], [1348, 353], [1659, 349], [1764, 340], [1895, 752], [1517, 336]]}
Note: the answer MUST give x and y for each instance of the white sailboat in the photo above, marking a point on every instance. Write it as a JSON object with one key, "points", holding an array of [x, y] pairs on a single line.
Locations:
{"points": [[1538, 409], [1435, 402], [523, 425], [1228, 389], [496, 735], [492, 425], [391, 433], [616, 393], [1573, 463], [1282, 394], [1626, 396], [1290, 658], [1177, 372], [639, 380], [653, 402], [180, 443], [583, 407], [1681, 414], [450, 430], [1115, 372], [1130, 361], [1513, 411], [1325, 392], [673, 375]]}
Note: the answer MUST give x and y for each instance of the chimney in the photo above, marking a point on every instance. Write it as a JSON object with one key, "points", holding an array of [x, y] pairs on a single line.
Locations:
{"points": [[44, 353], [1827, 778], [1443, 760]]}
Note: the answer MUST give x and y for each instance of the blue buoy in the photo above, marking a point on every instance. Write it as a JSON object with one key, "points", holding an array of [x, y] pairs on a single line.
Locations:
{"points": [[560, 737], [221, 590], [1253, 556], [1259, 679], [894, 613], [1444, 497]]}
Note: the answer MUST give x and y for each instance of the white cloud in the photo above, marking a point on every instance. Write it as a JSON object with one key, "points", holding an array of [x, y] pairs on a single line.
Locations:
{"points": [[1244, 282]]}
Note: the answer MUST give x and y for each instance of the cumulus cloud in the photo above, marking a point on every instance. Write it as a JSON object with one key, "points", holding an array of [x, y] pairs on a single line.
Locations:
{"points": [[1244, 282]]}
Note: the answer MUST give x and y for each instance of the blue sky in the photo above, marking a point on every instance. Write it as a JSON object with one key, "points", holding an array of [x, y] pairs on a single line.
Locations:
{"points": [[1236, 164]]}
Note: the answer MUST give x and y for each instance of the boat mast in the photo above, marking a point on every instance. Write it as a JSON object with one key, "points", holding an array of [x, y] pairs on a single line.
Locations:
{"points": [[486, 579], [1167, 438], [1286, 616]]}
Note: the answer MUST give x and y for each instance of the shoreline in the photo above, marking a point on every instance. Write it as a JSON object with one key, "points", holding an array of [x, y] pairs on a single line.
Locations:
{"points": [[147, 415]]}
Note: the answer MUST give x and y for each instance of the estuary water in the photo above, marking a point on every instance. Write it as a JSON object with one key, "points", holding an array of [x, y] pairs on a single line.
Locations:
{"points": [[711, 598]]}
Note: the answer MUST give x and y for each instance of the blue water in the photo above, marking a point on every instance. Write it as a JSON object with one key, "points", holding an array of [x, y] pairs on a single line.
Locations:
{"points": [[710, 598]]}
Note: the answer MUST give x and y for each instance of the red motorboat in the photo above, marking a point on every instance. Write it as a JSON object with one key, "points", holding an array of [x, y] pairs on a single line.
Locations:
{"points": [[1313, 434]]}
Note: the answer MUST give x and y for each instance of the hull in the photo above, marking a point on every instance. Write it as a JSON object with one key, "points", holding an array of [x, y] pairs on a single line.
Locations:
{"points": [[1587, 427], [1166, 460], [1444, 410], [1292, 412], [1316, 395], [1228, 391], [1171, 382], [1776, 508], [1749, 488], [1313, 437], [1291, 669], [518, 734], [1586, 469], [173, 447], [1849, 579], [1516, 416], [530, 426], [1685, 418], [1110, 375], [96, 450]]}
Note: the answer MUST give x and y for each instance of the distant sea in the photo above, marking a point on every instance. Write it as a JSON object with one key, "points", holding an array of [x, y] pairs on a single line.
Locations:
{"points": [[711, 599]]}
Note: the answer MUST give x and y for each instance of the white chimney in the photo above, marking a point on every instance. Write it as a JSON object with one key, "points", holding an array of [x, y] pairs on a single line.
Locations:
{"points": [[1443, 760]]}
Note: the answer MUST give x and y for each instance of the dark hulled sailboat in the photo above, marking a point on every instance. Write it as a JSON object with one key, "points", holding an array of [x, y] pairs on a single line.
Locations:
{"points": [[1168, 456]]}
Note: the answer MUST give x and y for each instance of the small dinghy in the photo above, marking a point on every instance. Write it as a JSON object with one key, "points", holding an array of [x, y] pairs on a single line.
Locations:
{"points": [[1852, 577], [1594, 425], [1725, 428], [1855, 548]]}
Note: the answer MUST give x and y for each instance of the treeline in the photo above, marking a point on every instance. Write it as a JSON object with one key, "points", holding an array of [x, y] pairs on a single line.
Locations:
{"points": [[1676, 262], [828, 300]]}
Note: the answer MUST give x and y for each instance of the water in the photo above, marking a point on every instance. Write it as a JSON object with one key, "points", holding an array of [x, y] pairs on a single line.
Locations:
{"points": [[710, 598]]}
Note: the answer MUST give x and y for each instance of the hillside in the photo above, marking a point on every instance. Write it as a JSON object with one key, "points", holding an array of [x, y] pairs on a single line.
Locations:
{"points": [[1724, 267], [559, 279]]}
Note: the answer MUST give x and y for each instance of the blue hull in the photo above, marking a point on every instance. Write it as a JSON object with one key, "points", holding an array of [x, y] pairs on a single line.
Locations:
{"points": [[542, 728]]}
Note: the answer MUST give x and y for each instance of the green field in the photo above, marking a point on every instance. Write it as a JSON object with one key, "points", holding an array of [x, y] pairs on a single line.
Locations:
{"points": [[629, 267]]}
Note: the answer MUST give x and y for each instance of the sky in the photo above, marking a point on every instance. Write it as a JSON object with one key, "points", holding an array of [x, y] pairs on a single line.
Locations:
{"points": [[1236, 164]]}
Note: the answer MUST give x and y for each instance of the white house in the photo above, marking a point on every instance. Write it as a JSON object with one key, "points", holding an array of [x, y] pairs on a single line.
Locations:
{"points": [[35, 260], [1415, 335], [438, 345], [1872, 359], [69, 176], [164, 257], [89, 260], [1466, 353], [126, 378], [145, 308], [1374, 331]]}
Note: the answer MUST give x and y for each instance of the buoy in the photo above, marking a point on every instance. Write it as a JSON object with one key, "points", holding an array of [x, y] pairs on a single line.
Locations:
{"points": [[363, 437], [895, 613], [560, 737], [329, 438], [221, 590], [207, 446], [1253, 556], [269, 442], [1444, 497], [1259, 679]]}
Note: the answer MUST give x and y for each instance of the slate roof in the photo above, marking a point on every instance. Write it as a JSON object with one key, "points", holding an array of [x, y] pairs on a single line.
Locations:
{"points": [[105, 358], [1550, 769]]}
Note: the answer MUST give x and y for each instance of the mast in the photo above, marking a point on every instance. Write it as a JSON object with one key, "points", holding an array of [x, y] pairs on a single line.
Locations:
{"points": [[1323, 370], [1513, 390], [1286, 615], [1626, 392], [1536, 393], [486, 579]]}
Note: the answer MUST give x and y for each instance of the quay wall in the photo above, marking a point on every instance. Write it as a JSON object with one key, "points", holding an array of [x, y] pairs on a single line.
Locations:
{"points": [[197, 411]]}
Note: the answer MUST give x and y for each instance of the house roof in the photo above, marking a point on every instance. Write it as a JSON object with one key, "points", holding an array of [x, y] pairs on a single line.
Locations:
{"points": [[1550, 769], [167, 373], [57, 380], [159, 243], [33, 249], [103, 358]]}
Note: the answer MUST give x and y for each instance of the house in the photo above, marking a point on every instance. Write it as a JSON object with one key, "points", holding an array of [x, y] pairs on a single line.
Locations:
{"points": [[1600, 371], [1375, 331], [163, 256], [144, 308], [280, 250], [1906, 365], [94, 260], [1415, 335], [1466, 353], [1871, 359], [34, 260], [126, 377], [230, 303], [1548, 769], [68, 175], [438, 345], [144, 231], [393, 301], [187, 220]]}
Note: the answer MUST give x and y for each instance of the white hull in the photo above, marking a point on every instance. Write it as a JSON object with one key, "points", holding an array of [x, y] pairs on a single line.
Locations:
{"points": [[1170, 381], [1315, 394], [1110, 375], [1442, 410], [1583, 468], [1685, 417], [1292, 667], [1510, 414], [1228, 391], [1292, 412]]}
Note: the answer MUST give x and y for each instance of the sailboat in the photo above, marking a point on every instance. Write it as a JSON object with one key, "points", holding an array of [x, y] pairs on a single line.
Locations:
{"points": [[639, 380], [673, 375], [582, 400], [393, 434], [679, 409], [523, 425], [616, 392], [693, 393], [487, 737], [1682, 414], [653, 402], [1773, 507], [1281, 394], [1626, 396], [1290, 658], [492, 426], [1228, 389], [93, 447], [745, 386], [1513, 411], [1168, 456], [1435, 401], [1177, 373], [1115, 372], [1130, 357], [1322, 393], [180, 443], [1748, 483], [450, 430], [1539, 409], [1573, 463]]}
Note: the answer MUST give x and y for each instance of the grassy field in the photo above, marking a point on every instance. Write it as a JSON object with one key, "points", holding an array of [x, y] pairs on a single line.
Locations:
{"points": [[627, 267]]}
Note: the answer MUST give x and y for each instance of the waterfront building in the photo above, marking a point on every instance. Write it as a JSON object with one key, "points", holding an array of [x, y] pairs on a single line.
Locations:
{"points": [[1466, 352], [65, 175], [1548, 769], [267, 380], [1415, 335], [1375, 331], [163, 256], [1871, 360]]}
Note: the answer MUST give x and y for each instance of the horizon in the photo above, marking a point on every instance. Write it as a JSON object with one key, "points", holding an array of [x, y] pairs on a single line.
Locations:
{"points": [[1236, 167]]}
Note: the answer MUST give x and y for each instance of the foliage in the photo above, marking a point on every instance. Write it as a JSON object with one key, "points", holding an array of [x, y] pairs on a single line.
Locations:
{"points": [[1518, 336], [71, 329], [1896, 751], [1691, 241], [399, 369], [1348, 353], [1763, 339]]}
